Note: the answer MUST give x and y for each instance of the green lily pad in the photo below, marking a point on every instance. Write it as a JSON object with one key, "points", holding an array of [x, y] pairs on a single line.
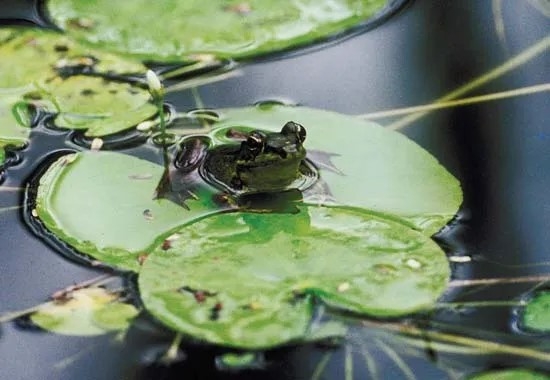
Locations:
{"points": [[89, 311], [15, 119], [39, 58], [32, 55], [536, 314], [249, 280], [381, 170], [173, 29], [510, 374], [102, 203]]}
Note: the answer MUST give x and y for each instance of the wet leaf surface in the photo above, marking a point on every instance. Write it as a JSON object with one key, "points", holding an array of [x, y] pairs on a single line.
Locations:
{"points": [[89, 311], [58, 69], [173, 29], [536, 314], [510, 374], [379, 170], [249, 280], [15, 119], [102, 204]]}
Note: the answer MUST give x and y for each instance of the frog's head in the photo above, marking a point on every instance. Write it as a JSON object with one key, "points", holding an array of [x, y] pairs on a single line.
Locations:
{"points": [[270, 161]]}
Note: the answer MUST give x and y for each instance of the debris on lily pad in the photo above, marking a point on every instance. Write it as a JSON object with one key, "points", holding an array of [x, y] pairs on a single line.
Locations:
{"points": [[71, 81], [510, 374], [88, 311], [535, 316], [250, 281], [225, 28]]}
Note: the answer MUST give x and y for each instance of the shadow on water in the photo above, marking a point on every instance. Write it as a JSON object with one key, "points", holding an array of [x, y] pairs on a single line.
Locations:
{"points": [[498, 150]]}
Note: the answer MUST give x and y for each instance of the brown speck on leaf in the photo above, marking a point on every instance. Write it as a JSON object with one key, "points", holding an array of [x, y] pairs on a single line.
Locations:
{"points": [[87, 92], [148, 215], [61, 48], [200, 296], [215, 311], [142, 257], [243, 8], [166, 245]]}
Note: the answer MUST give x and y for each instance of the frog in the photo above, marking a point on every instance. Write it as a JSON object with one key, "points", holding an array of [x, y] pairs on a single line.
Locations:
{"points": [[248, 164]]}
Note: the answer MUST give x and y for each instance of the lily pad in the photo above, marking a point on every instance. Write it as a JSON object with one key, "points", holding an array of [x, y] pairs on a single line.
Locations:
{"points": [[510, 374], [377, 169], [250, 280], [89, 311], [15, 119], [536, 314], [52, 63], [171, 30], [32, 55], [102, 203]]}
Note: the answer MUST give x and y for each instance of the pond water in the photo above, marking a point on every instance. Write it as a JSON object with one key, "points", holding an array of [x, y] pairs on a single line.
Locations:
{"points": [[498, 150]]}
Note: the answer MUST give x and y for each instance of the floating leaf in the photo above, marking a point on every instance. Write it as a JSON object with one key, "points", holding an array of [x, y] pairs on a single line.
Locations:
{"points": [[225, 28], [510, 374], [102, 204], [89, 311], [249, 280], [52, 63], [15, 119], [382, 170], [114, 316], [101, 107], [536, 314]]}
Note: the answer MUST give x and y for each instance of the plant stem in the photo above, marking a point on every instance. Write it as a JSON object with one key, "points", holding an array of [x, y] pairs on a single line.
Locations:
{"points": [[484, 345]]}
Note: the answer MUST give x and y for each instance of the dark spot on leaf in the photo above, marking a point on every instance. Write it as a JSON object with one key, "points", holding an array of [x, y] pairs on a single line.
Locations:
{"points": [[59, 48], [166, 245], [87, 92]]}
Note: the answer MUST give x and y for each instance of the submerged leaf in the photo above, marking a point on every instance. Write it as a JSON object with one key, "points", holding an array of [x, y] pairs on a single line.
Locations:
{"points": [[250, 280], [64, 76], [170, 30], [89, 311], [536, 314]]}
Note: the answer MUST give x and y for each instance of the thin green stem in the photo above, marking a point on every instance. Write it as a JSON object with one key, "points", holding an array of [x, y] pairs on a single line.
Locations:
{"points": [[348, 363], [484, 345], [8, 189], [11, 208], [525, 56], [399, 362], [370, 363], [452, 305], [320, 368], [456, 103], [495, 281]]}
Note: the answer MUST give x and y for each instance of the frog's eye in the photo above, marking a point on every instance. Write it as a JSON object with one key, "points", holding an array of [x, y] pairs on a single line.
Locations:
{"points": [[294, 129], [256, 142]]}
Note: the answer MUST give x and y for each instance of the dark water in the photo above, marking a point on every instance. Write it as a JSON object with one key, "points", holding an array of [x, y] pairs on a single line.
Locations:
{"points": [[499, 150]]}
